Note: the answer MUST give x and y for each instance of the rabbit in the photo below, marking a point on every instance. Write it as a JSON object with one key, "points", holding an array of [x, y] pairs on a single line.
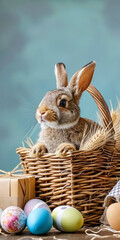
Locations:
{"points": [[59, 114]]}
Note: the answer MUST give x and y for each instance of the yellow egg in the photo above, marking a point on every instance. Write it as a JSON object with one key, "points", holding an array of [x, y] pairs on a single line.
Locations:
{"points": [[113, 216]]}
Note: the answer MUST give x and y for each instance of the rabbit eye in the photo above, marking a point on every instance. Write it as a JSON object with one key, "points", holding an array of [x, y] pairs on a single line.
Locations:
{"points": [[63, 103]]}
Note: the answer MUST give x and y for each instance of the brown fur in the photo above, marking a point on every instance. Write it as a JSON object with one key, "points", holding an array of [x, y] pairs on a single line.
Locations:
{"points": [[61, 75], [72, 135]]}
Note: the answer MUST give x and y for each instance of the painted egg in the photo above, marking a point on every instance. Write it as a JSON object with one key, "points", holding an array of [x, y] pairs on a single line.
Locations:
{"points": [[67, 219], [33, 204], [0, 215], [13, 219], [113, 216], [39, 221]]}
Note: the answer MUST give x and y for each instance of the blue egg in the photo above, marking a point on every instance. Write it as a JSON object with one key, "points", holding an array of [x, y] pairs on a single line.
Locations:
{"points": [[39, 221]]}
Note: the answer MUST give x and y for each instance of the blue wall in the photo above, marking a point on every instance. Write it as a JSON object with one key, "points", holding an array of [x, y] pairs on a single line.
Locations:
{"points": [[36, 34]]}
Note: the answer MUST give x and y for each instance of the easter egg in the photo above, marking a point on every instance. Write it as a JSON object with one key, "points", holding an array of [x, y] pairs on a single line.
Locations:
{"points": [[13, 219], [33, 204], [0, 215], [39, 221], [113, 216], [67, 219]]}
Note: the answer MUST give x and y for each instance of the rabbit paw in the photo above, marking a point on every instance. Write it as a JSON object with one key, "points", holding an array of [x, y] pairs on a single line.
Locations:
{"points": [[65, 148], [37, 150]]}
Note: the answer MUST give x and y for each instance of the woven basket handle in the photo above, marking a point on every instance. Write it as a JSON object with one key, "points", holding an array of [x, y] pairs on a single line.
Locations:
{"points": [[103, 108]]}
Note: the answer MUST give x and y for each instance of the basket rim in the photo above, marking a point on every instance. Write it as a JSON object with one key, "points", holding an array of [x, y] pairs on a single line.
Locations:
{"points": [[22, 151]]}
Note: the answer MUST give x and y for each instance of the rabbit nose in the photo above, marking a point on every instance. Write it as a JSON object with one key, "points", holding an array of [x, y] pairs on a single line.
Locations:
{"points": [[42, 113], [42, 110]]}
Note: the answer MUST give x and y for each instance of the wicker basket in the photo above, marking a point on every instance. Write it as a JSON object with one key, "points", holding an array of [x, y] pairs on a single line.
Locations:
{"points": [[80, 179]]}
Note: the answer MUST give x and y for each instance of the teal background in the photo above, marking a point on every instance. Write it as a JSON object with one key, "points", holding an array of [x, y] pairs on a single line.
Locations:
{"points": [[36, 34]]}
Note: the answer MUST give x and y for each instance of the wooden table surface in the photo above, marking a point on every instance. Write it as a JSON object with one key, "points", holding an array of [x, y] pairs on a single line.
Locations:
{"points": [[56, 235]]}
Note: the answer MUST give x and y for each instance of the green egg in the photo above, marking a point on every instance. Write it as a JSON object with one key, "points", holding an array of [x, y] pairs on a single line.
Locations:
{"points": [[67, 219]]}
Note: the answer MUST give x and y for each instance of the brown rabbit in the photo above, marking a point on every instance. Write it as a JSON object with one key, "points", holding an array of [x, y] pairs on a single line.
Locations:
{"points": [[59, 113]]}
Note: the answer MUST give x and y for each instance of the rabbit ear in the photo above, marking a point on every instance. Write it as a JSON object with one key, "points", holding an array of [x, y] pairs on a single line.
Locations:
{"points": [[82, 79], [61, 75]]}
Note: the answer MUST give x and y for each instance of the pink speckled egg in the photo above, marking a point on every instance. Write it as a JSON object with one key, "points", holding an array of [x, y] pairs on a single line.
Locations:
{"points": [[33, 204], [13, 219]]}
